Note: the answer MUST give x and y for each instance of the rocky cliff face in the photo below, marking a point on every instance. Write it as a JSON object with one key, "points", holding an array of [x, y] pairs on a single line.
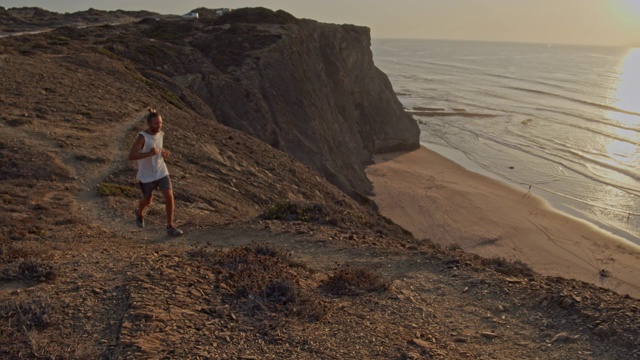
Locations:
{"points": [[309, 89]]}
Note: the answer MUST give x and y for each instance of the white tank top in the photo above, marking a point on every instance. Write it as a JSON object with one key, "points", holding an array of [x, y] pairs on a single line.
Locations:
{"points": [[152, 168]]}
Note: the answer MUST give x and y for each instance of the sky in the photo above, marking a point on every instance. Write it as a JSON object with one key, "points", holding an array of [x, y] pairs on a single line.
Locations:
{"points": [[589, 22]]}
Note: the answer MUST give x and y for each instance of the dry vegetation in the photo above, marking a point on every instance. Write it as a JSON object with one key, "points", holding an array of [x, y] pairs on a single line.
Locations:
{"points": [[354, 281], [275, 263], [265, 280]]}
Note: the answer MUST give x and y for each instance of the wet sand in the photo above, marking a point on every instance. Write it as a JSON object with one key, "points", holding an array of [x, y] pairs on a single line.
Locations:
{"points": [[437, 199]]}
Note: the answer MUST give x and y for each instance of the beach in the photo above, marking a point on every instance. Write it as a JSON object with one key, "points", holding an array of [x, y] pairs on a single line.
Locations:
{"points": [[437, 199], [531, 115]]}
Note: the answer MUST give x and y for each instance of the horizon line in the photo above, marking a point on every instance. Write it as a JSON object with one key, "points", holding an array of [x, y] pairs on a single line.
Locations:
{"points": [[508, 41]]}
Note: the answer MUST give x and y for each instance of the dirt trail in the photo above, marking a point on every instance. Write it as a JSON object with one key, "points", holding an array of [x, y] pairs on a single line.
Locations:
{"points": [[89, 201]]}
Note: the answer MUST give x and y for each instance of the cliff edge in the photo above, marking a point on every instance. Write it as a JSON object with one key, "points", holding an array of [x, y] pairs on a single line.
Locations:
{"points": [[307, 88], [303, 87]]}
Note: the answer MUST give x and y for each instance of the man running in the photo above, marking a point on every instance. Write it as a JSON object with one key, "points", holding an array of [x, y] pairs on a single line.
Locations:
{"points": [[152, 171]]}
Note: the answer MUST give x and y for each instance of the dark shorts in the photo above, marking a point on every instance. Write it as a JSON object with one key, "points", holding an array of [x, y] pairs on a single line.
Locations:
{"points": [[161, 184]]}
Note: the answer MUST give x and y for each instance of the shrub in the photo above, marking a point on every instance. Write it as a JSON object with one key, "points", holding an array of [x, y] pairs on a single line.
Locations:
{"points": [[354, 281], [268, 250], [264, 278], [29, 314], [27, 270], [111, 189], [509, 268], [290, 211]]}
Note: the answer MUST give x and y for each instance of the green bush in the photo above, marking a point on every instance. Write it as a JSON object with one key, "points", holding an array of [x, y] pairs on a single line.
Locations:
{"points": [[290, 211], [111, 189]]}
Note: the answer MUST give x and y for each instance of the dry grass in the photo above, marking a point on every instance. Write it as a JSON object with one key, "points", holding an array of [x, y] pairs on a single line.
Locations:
{"points": [[23, 321], [265, 280], [324, 214], [110, 189], [20, 262], [20, 318], [27, 314], [354, 281], [27, 270], [294, 211]]}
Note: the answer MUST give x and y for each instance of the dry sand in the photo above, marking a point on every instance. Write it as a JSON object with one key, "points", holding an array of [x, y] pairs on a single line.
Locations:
{"points": [[437, 199]]}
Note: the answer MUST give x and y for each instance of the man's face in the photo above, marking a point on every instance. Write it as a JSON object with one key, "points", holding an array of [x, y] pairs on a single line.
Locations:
{"points": [[155, 125]]}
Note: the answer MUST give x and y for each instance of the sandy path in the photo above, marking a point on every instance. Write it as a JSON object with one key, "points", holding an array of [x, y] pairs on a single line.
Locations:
{"points": [[435, 198]]}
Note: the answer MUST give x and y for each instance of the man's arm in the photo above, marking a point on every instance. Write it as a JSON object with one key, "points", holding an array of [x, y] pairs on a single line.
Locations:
{"points": [[135, 154]]}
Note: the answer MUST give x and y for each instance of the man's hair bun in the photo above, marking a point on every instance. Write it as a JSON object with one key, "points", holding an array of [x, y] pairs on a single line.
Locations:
{"points": [[152, 114]]}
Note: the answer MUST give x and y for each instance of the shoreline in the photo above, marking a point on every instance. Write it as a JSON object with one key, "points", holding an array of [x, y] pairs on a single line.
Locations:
{"points": [[437, 199], [556, 201]]}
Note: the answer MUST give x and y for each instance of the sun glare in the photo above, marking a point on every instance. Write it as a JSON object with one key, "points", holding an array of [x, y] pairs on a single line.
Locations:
{"points": [[632, 6], [628, 92], [628, 8], [628, 99], [626, 11]]}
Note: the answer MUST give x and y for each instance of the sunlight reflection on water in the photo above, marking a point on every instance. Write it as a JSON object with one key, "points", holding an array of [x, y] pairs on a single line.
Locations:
{"points": [[628, 92], [626, 154]]}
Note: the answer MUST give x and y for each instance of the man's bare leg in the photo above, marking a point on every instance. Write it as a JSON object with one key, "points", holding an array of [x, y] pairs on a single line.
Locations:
{"points": [[143, 204], [168, 199]]}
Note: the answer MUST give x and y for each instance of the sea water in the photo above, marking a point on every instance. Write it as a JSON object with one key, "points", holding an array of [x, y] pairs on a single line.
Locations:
{"points": [[562, 119]]}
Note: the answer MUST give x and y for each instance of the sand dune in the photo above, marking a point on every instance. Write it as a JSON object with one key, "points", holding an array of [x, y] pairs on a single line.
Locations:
{"points": [[437, 199]]}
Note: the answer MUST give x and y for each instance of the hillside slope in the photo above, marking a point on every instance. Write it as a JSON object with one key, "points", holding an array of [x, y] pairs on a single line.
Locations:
{"points": [[306, 88], [330, 280]]}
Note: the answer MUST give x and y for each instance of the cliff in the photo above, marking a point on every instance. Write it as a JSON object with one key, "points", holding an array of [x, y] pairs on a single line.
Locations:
{"points": [[306, 88], [309, 89]]}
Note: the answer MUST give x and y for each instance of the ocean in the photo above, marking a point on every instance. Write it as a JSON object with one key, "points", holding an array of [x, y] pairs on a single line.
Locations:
{"points": [[562, 119]]}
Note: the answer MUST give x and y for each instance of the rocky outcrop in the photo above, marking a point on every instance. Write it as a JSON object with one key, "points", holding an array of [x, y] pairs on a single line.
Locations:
{"points": [[307, 88]]}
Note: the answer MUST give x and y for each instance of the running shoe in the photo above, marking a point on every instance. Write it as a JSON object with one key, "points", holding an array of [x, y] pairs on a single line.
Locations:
{"points": [[139, 219], [174, 231]]}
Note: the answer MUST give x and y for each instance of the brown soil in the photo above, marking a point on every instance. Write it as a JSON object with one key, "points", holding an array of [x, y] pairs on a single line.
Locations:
{"points": [[78, 280]]}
